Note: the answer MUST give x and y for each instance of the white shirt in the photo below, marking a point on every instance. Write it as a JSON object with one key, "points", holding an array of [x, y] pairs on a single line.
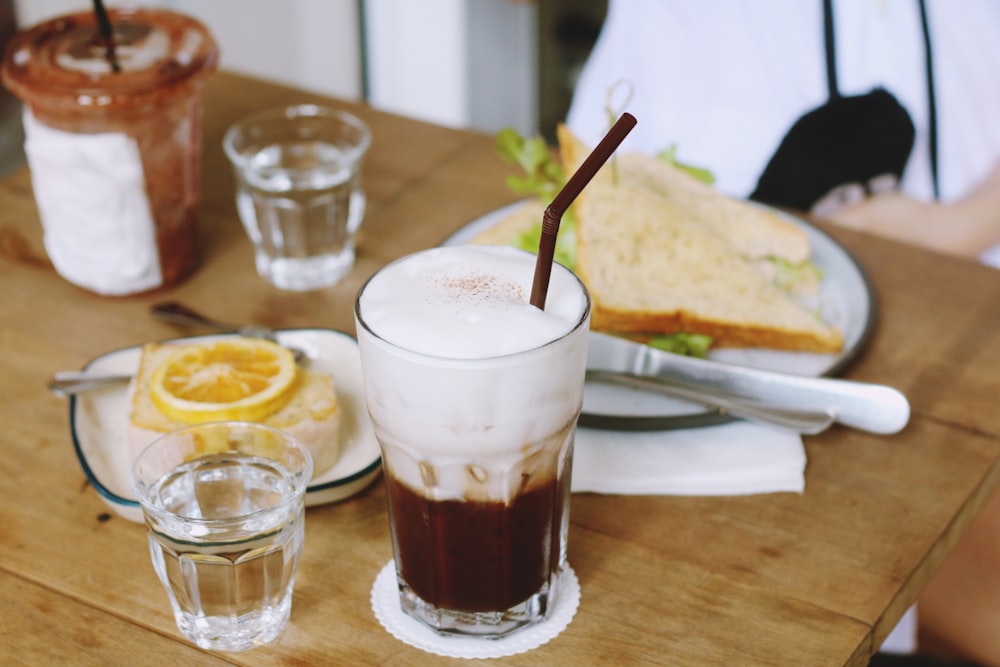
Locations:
{"points": [[724, 80]]}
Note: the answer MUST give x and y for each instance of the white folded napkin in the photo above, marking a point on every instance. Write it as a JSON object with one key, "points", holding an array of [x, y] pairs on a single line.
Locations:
{"points": [[736, 458]]}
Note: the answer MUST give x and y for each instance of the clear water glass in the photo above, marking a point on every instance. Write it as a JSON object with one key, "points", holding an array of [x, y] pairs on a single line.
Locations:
{"points": [[224, 507], [299, 192]]}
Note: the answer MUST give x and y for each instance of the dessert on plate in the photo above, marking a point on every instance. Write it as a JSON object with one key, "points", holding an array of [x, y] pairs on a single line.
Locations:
{"points": [[245, 379]]}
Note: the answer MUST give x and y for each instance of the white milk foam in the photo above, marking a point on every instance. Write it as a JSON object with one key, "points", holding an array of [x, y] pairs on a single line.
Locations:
{"points": [[462, 370], [469, 302]]}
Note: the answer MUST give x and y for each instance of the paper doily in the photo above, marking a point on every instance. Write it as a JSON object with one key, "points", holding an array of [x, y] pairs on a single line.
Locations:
{"points": [[385, 604]]}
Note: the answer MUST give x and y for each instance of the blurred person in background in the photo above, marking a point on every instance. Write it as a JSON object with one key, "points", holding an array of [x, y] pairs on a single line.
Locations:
{"points": [[880, 115]]}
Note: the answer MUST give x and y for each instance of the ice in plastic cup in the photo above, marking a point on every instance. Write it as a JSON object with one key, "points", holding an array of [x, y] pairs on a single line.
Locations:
{"points": [[474, 396], [299, 192], [224, 507], [115, 155]]}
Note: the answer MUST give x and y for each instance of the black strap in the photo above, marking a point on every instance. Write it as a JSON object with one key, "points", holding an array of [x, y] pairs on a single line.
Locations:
{"points": [[834, 91], [831, 49], [931, 100]]}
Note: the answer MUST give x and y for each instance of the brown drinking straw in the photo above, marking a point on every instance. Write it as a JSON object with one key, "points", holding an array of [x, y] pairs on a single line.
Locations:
{"points": [[554, 212], [107, 35]]}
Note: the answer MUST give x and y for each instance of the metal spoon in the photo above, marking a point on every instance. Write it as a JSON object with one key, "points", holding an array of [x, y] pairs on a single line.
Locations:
{"points": [[67, 383]]}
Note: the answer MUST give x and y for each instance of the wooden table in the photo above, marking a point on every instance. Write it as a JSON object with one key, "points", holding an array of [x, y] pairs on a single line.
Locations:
{"points": [[780, 579]]}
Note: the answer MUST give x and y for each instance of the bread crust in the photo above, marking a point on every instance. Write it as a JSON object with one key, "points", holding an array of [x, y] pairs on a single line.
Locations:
{"points": [[724, 334], [511, 227]]}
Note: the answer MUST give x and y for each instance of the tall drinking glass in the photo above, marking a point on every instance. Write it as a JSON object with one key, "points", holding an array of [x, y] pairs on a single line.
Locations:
{"points": [[474, 395], [225, 529]]}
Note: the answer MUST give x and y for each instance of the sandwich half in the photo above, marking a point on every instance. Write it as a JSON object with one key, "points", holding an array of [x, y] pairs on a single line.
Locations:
{"points": [[663, 253]]}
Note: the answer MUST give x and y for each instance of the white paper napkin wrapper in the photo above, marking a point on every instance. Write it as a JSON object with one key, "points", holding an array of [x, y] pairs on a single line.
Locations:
{"points": [[385, 604], [736, 458], [91, 196]]}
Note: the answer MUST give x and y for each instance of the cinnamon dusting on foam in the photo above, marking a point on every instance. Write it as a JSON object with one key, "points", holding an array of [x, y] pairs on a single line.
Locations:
{"points": [[482, 286], [468, 302]]}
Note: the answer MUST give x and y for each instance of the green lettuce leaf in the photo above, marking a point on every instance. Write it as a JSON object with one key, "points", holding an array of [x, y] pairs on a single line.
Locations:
{"points": [[670, 157], [789, 275], [543, 176], [565, 251], [689, 344]]}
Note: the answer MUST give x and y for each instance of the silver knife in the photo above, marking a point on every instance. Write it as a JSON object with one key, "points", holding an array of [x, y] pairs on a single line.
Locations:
{"points": [[869, 407]]}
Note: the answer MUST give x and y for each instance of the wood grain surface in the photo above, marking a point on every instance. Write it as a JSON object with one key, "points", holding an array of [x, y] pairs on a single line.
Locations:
{"points": [[779, 579]]}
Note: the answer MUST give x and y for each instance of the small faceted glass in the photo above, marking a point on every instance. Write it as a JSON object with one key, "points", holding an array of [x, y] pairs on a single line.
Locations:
{"points": [[299, 192], [224, 507]]}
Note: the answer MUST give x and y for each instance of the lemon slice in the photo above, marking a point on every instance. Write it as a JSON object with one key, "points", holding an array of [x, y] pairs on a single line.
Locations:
{"points": [[242, 378]]}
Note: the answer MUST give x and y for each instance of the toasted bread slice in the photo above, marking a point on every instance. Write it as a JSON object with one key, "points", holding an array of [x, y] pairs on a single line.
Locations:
{"points": [[510, 228], [312, 415], [656, 271], [754, 231], [652, 268]]}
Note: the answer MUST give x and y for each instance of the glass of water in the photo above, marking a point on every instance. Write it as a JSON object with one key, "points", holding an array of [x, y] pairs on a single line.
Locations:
{"points": [[224, 508], [299, 192]]}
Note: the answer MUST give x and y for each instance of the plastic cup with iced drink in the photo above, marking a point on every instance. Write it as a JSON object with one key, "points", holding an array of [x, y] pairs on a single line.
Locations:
{"points": [[114, 143], [474, 395]]}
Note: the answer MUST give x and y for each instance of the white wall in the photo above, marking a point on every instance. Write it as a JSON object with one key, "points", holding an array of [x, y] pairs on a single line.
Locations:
{"points": [[312, 44], [503, 65], [463, 63], [430, 82]]}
